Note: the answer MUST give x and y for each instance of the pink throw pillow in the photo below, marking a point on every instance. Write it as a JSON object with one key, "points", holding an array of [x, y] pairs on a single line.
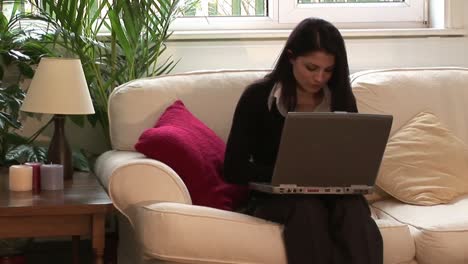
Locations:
{"points": [[196, 153]]}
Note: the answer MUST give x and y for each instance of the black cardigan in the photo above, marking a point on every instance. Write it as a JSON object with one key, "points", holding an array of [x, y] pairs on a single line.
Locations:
{"points": [[255, 134]]}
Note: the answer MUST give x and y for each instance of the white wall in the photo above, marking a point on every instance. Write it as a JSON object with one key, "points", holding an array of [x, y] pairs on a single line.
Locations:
{"points": [[363, 54]]}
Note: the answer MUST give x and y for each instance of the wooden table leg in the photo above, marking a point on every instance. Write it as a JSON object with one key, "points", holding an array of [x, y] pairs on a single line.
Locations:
{"points": [[76, 249], [98, 238]]}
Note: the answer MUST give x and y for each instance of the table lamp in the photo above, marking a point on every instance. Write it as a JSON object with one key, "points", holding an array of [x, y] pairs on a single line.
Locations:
{"points": [[59, 88]]}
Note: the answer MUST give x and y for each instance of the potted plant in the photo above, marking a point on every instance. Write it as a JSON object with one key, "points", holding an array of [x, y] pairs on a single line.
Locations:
{"points": [[18, 54], [117, 41]]}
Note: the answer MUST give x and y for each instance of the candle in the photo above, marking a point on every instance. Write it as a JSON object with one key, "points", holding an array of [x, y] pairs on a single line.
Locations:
{"points": [[52, 177], [36, 180], [20, 177]]}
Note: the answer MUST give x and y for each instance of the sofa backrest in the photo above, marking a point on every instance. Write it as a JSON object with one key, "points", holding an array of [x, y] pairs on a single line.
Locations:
{"points": [[407, 92], [210, 95], [213, 95]]}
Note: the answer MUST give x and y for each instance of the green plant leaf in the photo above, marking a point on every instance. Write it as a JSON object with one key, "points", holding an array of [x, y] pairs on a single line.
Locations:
{"points": [[7, 119], [80, 161], [27, 153], [14, 139], [2, 122], [19, 55], [26, 69], [14, 91], [78, 120], [92, 119]]}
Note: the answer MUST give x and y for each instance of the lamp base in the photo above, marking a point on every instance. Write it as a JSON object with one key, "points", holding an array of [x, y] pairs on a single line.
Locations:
{"points": [[59, 151]]}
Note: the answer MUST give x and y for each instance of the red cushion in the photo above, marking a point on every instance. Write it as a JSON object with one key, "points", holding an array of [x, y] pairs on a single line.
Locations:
{"points": [[196, 153]]}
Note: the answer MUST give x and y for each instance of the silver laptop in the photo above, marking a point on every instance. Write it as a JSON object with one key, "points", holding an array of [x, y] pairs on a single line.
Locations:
{"points": [[328, 153]]}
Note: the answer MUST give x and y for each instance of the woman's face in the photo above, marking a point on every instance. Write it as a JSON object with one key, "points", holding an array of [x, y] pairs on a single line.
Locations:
{"points": [[312, 70]]}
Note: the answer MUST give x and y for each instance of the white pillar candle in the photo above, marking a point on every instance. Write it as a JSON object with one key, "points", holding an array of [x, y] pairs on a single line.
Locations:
{"points": [[20, 177], [51, 177]]}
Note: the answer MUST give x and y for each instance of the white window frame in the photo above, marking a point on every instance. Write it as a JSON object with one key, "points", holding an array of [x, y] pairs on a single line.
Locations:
{"points": [[411, 11], [231, 23], [285, 14]]}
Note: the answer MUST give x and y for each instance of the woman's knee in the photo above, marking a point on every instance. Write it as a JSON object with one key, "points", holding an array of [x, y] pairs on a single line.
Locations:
{"points": [[311, 209], [285, 208], [353, 204]]}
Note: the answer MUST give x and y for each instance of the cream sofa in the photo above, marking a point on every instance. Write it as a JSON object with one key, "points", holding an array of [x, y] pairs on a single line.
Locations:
{"points": [[159, 224]]}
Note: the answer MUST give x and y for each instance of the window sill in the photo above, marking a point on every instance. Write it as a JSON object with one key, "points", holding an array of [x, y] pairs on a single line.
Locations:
{"points": [[281, 34]]}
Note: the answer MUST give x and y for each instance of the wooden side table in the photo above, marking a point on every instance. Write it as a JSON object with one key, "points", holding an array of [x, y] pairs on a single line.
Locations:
{"points": [[77, 210]]}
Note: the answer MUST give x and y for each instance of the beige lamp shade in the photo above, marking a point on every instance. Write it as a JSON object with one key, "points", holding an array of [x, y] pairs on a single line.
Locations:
{"points": [[58, 87]]}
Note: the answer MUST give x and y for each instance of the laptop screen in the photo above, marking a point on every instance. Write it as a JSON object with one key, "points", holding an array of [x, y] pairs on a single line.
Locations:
{"points": [[331, 149]]}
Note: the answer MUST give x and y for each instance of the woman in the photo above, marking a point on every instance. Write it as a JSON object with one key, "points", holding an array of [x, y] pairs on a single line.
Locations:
{"points": [[311, 74]]}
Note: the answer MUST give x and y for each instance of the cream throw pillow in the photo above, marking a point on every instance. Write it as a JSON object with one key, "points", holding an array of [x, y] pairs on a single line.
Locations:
{"points": [[424, 163]]}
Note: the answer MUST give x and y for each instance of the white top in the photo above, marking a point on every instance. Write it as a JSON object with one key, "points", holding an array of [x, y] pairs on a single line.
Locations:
{"points": [[275, 95]]}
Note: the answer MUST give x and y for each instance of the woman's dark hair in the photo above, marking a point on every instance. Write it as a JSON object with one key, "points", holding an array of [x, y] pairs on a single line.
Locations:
{"points": [[313, 34]]}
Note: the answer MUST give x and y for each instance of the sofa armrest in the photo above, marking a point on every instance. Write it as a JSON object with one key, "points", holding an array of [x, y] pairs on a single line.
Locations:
{"points": [[133, 180], [197, 234]]}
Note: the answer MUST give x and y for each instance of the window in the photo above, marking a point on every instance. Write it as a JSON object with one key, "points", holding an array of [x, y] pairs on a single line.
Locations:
{"points": [[226, 8], [8, 6], [265, 14], [285, 14], [355, 11]]}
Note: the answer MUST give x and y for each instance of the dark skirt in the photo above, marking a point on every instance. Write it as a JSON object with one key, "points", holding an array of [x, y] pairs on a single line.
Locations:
{"points": [[323, 229]]}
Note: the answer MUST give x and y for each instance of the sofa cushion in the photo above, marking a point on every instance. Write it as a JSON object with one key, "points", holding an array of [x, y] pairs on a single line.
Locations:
{"points": [[405, 92], [398, 243], [424, 163], [194, 234], [440, 231], [196, 153]]}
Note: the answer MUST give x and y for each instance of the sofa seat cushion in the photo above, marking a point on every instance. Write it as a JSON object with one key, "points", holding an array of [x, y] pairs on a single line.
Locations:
{"points": [[196, 234], [440, 231]]}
